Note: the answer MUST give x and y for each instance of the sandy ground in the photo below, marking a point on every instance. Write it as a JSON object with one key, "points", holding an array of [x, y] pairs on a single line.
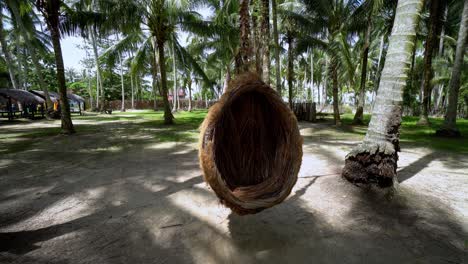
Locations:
{"points": [[120, 197]]}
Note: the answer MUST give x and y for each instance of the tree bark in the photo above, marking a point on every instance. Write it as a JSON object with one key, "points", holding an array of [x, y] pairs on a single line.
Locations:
{"points": [[257, 36], [431, 42], [122, 83], [52, 18], [168, 117], [336, 108], [274, 12], [374, 161], [227, 79], [290, 69], [266, 41], [245, 50], [359, 116], [174, 90], [450, 121], [8, 58], [189, 84]]}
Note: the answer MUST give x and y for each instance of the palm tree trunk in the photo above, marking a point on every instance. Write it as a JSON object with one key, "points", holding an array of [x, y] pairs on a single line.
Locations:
{"points": [[266, 41], [227, 79], [359, 116], [99, 86], [450, 122], [290, 69], [174, 90], [52, 22], [32, 52], [245, 51], [122, 108], [6, 52], [431, 42], [311, 88], [133, 90], [375, 160], [168, 117], [189, 84], [256, 37], [276, 44], [336, 102]]}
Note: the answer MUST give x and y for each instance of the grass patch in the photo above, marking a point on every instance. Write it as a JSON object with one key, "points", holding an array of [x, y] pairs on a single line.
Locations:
{"points": [[412, 134]]}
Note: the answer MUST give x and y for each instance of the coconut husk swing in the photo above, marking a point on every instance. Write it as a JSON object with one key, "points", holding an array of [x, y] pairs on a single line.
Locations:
{"points": [[250, 147]]}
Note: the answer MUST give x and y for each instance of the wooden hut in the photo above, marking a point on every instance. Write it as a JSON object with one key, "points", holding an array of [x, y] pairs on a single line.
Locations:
{"points": [[16, 103]]}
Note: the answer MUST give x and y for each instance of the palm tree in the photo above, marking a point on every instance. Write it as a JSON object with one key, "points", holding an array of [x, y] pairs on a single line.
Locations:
{"points": [[375, 160], [6, 52], [274, 13], [371, 7], [26, 27], [161, 19], [450, 128], [330, 23], [435, 26], [50, 10], [265, 36], [244, 56]]}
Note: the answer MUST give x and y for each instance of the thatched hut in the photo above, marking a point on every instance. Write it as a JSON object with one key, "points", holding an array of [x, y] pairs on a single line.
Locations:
{"points": [[77, 103], [250, 147], [20, 103]]}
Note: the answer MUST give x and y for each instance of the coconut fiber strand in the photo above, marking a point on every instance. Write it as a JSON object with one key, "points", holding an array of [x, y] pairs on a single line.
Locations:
{"points": [[250, 146]]}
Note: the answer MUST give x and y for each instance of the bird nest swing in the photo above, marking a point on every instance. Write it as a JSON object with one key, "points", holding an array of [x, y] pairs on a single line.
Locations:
{"points": [[250, 147]]}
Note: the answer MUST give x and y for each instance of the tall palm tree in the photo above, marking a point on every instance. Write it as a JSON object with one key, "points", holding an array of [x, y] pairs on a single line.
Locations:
{"points": [[161, 19], [6, 52], [450, 126], [50, 10], [330, 23], [244, 57], [274, 13], [435, 25], [371, 7], [24, 23], [375, 160], [265, 36]]}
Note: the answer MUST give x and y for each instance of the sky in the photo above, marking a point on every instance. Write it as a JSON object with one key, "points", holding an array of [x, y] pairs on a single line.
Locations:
{"points": [[72, 55]]}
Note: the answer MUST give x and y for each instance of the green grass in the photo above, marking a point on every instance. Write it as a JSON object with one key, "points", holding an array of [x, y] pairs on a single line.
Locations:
{"points": [[185, 130], [415, 135]]}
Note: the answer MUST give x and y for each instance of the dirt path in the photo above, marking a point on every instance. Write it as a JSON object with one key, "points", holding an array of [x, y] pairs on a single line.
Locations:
{"points": [[120, 197]]}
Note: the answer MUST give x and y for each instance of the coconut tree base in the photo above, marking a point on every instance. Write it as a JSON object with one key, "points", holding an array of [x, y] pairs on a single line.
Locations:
{"points": [[448, 132], [423, 121], [371, 165], [359, 116]]}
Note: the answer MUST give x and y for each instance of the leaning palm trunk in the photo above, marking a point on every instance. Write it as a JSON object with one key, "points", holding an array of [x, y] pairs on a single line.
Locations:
{"points": [[450, 123], [32, 52], [6, 53], [375, 160], [50, 8]]}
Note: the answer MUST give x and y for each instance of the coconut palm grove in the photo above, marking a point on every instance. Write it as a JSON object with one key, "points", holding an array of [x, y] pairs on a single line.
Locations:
{"points": [[233, 131]]}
